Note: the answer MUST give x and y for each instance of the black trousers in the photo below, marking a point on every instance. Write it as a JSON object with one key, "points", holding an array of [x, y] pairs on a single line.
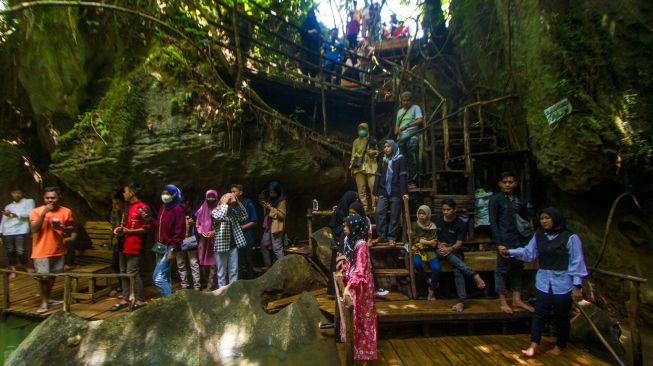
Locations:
{"points": [[547, 304]]}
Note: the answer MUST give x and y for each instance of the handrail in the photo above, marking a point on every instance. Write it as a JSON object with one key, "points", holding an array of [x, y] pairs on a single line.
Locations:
{"points": [[598, 333], [67, 285], [608, 224], [618, 275], [345, 308]]}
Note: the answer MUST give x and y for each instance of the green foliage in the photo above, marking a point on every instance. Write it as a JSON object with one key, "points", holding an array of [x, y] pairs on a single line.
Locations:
{"points": [[10, 161]]}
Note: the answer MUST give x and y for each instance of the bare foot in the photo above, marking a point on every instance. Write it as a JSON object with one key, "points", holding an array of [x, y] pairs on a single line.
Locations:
{"points": [[375, 241], [479, 281], [431, 295], [556, 351], [12, 276], [530, 352], [392, 243], [458, 308], [505, 308], [29, 269], [523, 305]]}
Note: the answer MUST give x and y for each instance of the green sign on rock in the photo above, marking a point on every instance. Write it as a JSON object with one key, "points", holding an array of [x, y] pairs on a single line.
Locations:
{"points": [[557, 111]]}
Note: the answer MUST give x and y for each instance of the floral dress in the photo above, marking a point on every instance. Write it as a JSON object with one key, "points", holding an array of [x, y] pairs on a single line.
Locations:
{"points": [[358, 276]]}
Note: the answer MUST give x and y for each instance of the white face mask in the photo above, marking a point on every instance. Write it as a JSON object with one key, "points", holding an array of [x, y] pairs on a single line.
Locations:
{"points": [[166, 198]]}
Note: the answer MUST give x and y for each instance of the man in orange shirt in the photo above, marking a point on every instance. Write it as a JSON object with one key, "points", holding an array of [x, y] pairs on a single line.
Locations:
{"points": [[49, 224]]}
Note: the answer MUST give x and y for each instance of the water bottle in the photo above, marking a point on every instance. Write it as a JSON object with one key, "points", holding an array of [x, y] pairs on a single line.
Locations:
{"points": [[316, 206]]}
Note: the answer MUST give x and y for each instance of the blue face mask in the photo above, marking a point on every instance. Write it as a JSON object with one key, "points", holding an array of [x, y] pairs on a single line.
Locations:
{"points": [[362, 133]]}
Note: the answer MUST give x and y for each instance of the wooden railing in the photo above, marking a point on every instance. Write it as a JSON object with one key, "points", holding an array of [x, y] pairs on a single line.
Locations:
{"points": [[68, 276], [344, 309], [632, 308]]}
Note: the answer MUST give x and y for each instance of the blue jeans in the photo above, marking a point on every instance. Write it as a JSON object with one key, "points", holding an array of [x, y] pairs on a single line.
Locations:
{"points": [[434, 263], [460, 270], [161, 275], [385, 232], [227, 264]]}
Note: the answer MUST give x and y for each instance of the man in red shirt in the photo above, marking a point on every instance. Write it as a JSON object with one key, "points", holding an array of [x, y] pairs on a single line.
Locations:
{"points": [[49, 224], [136, 222]]}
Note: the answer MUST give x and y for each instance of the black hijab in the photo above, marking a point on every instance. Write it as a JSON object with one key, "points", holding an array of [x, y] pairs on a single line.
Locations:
{"points": [[342, 210], [559, 224], [278, 189], [358, 207]]}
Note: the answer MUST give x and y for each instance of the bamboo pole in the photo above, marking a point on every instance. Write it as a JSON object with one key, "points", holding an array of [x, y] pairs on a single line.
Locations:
{"points": [[349, 330], [445, 136], [479, 115], [633, 307], [5, 293], [409, 253], [469, 168], [66, 293], [309, 224], [598, 333], [323, 94]]}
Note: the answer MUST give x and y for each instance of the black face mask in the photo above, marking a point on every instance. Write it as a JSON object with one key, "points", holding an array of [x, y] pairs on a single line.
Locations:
{"points": [[211, 202]]}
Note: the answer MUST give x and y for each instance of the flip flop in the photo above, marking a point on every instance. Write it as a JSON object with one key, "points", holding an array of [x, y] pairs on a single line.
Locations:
{"points": [[52, 303], [41, 310], [138, 306], [118, 306]]}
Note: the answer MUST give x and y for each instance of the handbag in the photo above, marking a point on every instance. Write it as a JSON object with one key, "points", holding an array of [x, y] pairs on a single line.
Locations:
{"points": [[190, 243], [160, 248], [523, 226], [358, 162]]}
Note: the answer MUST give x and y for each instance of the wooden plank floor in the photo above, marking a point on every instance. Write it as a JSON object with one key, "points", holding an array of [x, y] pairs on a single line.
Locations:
{"points": [[397, 308], [24, 299], [473, 350]]}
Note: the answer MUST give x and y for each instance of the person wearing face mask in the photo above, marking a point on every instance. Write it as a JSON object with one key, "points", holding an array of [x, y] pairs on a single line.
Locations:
{"points": [[363, 165], [206, 232], [169, 233], [559, 279], [229, 237]]}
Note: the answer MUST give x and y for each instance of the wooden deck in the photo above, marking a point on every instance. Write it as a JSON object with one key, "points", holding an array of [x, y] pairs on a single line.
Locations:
{"points": [[473, 350], [24, 300], [398, 309]]}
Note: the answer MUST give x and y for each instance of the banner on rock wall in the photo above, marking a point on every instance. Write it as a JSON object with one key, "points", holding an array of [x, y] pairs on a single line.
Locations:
{"points": [[557, 111]]}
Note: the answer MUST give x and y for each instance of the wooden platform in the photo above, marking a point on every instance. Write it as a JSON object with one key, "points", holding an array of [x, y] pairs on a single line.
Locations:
{"points": [[473, 350], [398, 309], [25, 299]]}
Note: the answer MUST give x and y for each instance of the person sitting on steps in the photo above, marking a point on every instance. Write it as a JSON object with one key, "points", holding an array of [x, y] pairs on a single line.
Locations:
{"points": [[424, 249], [452, 231], [390, 187]]}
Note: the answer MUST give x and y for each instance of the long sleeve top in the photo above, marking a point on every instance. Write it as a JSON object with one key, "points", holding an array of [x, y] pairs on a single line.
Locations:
{"points": [[170, 226], [399, 179], [559, 282], [18, 225], [227, 226], [502, 213]]}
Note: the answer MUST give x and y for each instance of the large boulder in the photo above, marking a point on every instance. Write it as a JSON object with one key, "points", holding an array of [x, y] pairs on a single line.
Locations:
{"points": [[228, 326]]}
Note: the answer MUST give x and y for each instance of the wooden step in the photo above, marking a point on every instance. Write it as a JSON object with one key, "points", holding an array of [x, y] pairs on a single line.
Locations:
{"points": [[391, 272]]}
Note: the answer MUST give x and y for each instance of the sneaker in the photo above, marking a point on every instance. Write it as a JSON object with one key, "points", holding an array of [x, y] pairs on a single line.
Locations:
{"points": [[382, 292]]}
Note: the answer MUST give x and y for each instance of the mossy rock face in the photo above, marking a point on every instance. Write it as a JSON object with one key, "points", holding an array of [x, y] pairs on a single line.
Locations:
{"points": [[228, 326]]}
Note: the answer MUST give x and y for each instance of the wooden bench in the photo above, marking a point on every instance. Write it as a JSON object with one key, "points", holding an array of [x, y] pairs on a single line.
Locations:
{"points": [[93, 292], [101, 235]]}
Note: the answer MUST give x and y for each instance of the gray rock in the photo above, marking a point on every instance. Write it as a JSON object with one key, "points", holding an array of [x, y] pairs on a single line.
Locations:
{"points": [[582, 332], [228, 326]]}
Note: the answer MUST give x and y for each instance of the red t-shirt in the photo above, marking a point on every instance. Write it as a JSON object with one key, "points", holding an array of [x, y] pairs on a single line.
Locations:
{"points": [[134, 220]]}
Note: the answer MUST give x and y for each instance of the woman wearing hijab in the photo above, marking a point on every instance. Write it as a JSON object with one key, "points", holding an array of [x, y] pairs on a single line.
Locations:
{"points": [[559, 279], [206, 232], [357, 208], [359, 284], [274, 207], [169, 233], [336, 225], [424, 246], [363, 164], [390, 187]]}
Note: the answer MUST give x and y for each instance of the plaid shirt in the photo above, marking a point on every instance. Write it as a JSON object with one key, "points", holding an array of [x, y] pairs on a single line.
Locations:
{"points": [[226, 222]]}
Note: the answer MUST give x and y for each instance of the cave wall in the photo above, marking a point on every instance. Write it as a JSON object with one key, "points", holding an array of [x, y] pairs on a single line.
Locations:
{"points": [[597, 54]]}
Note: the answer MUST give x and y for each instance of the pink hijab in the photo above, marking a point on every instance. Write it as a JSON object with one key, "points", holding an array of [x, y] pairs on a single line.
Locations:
{"points": [[204, 222]]}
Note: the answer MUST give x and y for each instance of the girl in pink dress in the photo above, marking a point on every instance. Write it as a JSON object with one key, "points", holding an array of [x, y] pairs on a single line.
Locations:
{"points": [[357, 275]]}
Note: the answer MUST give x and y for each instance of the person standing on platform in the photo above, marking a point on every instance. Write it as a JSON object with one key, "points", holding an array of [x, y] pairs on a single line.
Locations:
{"points": [[229, 237], [336, 224], [14, 229], [559, 279], [206, 232], [136, 222], [332, 51], [274, 223], [390, 187], [409, 117], [169, 230], [246, 253], [363, 165], [49, 224], [508, 214]]}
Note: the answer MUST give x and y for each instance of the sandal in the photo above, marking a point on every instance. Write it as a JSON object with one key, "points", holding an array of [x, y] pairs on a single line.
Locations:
{"points": [[138, 306], [118, 306], [52, 303], [41, 310]]}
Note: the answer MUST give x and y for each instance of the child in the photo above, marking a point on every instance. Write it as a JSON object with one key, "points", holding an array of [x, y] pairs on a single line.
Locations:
{"points": [[424, 247], [357, 208], [357, 275]]}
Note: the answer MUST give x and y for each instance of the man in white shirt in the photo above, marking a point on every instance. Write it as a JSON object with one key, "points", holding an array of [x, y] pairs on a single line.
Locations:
{"points": [[15, 230]]}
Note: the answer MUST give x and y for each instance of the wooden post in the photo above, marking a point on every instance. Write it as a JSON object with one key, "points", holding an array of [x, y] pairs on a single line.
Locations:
{"points": [[445, 135], [598, 334], [633, 306], [5, 294], [434, 175], [373, 111], [314, 119], [479, 115], [409, 235], [66, 293], [349, 331], [309, 223], [469, 169], [323, 93]]}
